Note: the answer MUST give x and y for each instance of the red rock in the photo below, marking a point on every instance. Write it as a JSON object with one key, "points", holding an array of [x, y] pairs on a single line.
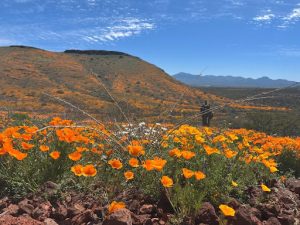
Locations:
{"points": [[272, 221], [49, 221], [12, 209], [84, 217], [140, 219], [43, 211], [21, 220], [119, 217], [286, 219], [207, 214], [4, 203], [246, 215], [164, 203], [25, 206], [60, 212], [293, 185], [147, 209]]}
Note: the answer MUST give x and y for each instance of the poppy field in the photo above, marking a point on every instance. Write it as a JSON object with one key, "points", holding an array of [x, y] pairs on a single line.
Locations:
{"points": [[189, 165]]}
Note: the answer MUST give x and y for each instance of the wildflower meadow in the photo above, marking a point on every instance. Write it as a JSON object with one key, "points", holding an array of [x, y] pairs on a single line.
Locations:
{"points": [[188, 165]]}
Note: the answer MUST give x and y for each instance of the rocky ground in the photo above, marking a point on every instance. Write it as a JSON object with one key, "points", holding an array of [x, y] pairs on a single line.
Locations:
{"points": [[280, 207]]}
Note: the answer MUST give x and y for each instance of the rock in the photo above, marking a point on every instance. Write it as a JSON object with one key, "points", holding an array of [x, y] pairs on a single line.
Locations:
{"points": [[84, 217], [43, 211], [25, 206], [140, 219], [272, 221], [51, 185], [147, 209], [293, 185], [119, 217], [286, 219], [12, 210], [134, 206], [4, 203], [164, 203], [60, 212], [269, 210], [207, 214], [234, 204], [246, 215], [21, 220], [49, 221]]}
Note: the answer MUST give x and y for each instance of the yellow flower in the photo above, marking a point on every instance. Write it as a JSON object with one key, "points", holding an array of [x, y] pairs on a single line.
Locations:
{"points": [[273, 169], [265, 188], [234, 184], [226, 210], [166, 181], [199, 175], [187, 173], [115, 206], [129, 175]]}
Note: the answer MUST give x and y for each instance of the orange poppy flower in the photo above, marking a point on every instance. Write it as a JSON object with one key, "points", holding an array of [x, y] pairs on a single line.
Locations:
{"points": [[136, 150], [26, 137], [187, 155], [226, 210], [115, 163], [77, 170], [75, 156], [199, 175], [115, 206], [229, 153], [166, 181], [209, 150], [129, 175], [26, 146], [44, 148], [17, 154], [175, 153], [55, 155], [89, 171], [187, 173], [133, 162]]}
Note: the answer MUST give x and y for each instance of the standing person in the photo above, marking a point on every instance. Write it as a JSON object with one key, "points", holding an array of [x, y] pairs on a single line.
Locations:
{"points": [[207, 114]]}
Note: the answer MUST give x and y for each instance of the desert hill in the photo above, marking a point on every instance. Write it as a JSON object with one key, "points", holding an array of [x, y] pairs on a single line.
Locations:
{"points": [[140, 88]]}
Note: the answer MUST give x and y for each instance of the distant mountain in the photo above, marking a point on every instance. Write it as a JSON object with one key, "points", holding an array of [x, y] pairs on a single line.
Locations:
{"points": [[230, 81]]}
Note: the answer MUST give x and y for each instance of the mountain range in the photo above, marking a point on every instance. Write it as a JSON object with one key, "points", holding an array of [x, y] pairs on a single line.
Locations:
{"points": [[230, 81]]}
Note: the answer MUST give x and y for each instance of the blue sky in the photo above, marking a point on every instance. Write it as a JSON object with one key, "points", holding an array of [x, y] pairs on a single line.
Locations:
{"points": [[250, 38]]}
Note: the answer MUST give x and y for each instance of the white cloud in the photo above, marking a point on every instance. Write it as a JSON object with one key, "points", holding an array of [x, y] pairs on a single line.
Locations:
{"points": [[294, 15], [6, 41], [127, 27], [264, 18]]}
